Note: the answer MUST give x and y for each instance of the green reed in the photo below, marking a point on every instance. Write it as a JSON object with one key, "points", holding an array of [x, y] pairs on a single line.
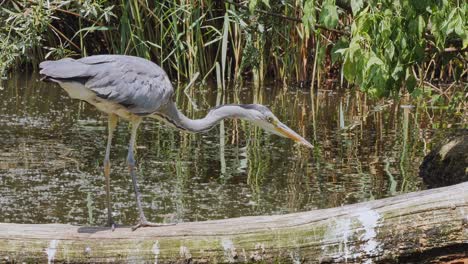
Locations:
{"points": [[291, 41]]}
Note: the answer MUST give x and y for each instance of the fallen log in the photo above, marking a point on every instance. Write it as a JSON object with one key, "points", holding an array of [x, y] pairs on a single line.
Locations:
{"points": [[416, 227]]}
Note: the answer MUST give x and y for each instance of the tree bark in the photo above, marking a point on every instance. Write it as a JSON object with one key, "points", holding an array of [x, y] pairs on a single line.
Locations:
{"points": [[417, 227]]}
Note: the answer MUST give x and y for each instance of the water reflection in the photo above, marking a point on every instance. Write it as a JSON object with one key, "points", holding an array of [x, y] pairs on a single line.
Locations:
{"points": [[52, 148]]}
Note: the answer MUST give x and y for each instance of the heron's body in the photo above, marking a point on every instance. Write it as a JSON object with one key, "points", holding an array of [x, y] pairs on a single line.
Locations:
{"points": [[115, 84], [131, 88]]}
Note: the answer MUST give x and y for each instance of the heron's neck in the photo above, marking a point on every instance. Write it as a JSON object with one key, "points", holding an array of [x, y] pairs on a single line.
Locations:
{"points": [[172, 115]]}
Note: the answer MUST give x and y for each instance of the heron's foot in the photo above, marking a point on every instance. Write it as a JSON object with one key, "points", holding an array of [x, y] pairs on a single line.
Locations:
{"points": [[145, 223]]}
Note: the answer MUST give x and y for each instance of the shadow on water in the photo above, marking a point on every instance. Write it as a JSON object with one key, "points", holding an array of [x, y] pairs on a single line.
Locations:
{"points": [[52, 148]]}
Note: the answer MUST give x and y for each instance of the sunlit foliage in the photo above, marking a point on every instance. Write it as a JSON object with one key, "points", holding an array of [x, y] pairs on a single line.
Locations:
{"points": [[380, 46]]}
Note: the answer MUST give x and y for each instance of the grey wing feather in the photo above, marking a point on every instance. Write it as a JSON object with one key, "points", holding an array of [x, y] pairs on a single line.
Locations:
{"points": [[64, 69], [138, 84]]}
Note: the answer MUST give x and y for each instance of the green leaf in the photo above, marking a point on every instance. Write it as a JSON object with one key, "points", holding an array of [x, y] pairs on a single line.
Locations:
{"points": [[321, 54], [419, 5], [397, 72], [421, 26], [451, 22], [385, 29], [361, 62], [266, 2], [389, 50], [349, 70], [338, 50], [353, 48], [93, 28], [329, 14], [418, 52], [435, 98], [410, 83], [417, 92], [356, 5], [309, 19], [374, 60], [252, 5], [417, 26], [458, 24]]}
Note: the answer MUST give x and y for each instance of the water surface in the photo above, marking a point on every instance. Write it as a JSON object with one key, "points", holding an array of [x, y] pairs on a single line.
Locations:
{"points": [[52, 148]]}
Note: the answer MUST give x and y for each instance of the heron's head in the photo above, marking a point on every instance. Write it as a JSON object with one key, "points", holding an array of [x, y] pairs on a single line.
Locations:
{"points": [[261, 116]]}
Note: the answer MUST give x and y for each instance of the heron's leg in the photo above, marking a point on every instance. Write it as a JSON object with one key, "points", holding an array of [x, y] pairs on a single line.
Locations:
{"points": [[131, 167], [112, 124]]}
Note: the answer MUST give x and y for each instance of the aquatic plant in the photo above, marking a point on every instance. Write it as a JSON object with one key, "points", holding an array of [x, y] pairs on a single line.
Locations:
{"points": [[380, 46]]}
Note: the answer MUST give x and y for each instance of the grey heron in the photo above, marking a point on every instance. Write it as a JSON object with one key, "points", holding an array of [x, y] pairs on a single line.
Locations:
{"points": [[132, 88]]}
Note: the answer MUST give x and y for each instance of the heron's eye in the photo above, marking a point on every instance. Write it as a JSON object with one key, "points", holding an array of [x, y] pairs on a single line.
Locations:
{"points": [[270, 119]]}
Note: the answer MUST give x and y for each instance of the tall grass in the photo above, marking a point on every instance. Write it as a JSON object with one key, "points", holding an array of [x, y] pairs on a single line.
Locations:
{"points": [[292, 41]]}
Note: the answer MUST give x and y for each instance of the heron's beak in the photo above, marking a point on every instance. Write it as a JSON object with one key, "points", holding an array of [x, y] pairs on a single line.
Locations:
{"points": [[285, 131]]}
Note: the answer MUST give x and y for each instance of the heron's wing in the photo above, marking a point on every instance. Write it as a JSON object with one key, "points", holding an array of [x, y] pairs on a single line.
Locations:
{"points": [[138, 84], [64, 69]]}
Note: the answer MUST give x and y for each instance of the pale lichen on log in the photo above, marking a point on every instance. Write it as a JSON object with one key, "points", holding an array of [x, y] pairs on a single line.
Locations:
{"points": [[416, 225]]}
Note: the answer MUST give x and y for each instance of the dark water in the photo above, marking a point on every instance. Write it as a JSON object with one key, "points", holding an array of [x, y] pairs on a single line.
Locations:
{"points": [[52, 148]]}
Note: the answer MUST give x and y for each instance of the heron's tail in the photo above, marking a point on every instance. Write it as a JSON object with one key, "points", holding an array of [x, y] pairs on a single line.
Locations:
{"points": [[63, 69]]}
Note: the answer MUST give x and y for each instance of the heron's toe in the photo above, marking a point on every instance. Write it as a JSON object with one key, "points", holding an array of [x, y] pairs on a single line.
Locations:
{"points": [[144, 223]]}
